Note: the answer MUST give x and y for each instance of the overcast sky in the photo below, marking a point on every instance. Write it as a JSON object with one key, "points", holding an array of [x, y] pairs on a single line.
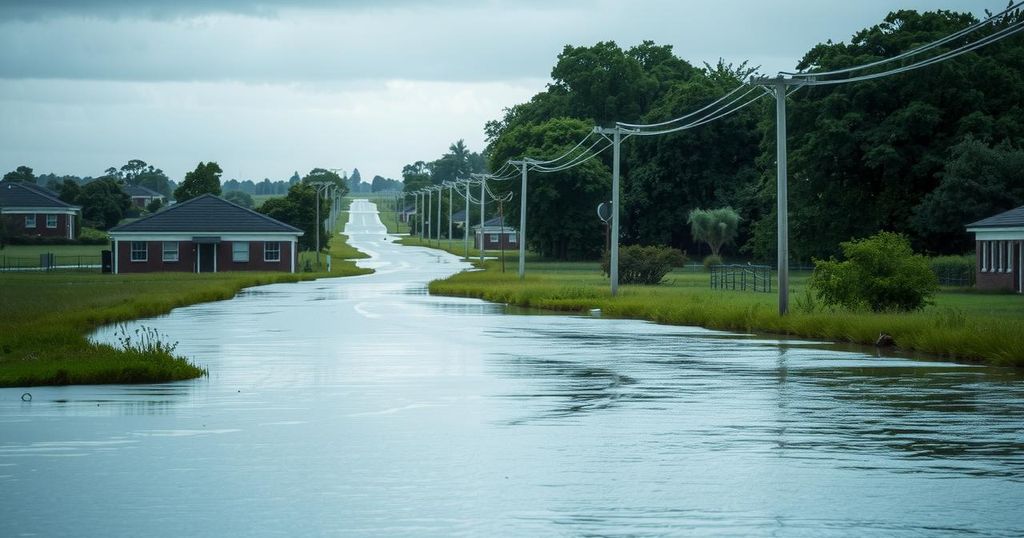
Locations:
{"points": [[267, 90]]}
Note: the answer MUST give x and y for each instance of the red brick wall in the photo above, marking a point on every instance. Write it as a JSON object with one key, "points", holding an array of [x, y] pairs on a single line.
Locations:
{"points": [[16, 223], [496, 245], [187, 258], [255, 263]]}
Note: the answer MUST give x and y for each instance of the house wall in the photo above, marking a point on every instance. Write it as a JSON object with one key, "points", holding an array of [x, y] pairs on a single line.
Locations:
{"points": [[187, 258], [255, 263], [993, 272], [503, 241], [16, 224]]}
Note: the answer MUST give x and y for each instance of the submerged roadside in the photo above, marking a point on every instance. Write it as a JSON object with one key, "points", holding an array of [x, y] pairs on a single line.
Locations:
{"points": [[47, 318]]}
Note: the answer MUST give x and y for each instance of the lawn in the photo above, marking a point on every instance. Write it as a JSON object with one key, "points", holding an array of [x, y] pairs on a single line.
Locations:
{"points": [[961, 324], [47, 317]]}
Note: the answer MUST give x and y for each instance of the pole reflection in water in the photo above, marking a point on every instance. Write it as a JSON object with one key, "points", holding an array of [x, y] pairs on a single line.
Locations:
{"points": [[364, 406]]}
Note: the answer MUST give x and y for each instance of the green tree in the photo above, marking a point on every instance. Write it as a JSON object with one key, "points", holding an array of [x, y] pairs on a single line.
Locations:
{"points": [[716, 227], [298, 208], [863, 155], [154, 205], [68, 191], [241, 198], [21, 173], [710, 166], [880, 273], [561, 222], [205, 179], [103, 202], [978, 181]]}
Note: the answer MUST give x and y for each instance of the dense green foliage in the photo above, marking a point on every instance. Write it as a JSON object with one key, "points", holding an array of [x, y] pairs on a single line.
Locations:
{"points": [[880, 273], [205, 179], [922, 153], [299, 207], [103, 202], [954, 270], [644, 265], [21, 173], [241, 198]]}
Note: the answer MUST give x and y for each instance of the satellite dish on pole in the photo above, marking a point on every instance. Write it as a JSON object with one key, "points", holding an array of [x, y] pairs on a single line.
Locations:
{"points": [[604, 211]]}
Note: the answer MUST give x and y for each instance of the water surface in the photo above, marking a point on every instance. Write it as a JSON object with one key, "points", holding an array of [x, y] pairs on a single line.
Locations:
{"points": [[364, 406]]}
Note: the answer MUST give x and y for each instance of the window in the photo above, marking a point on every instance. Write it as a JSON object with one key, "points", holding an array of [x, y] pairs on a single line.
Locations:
{"points": [[170, 251], [512, 239], [51, 221], [272, 252], [494, 238], [240, 251], [139, 251], [30, 221]]}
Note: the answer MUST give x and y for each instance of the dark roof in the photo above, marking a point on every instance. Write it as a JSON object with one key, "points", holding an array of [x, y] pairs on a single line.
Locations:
{"points": [[459, 216], [1013, 217], [22, 194], [138, 191], [494, 222], [206, 214]]}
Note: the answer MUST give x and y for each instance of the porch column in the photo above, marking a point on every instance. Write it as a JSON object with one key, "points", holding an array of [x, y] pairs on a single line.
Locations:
{"points": [[114, 255], [984, 256]]}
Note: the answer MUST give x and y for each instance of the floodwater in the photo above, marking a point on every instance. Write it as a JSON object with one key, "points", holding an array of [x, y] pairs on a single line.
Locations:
{"points": [[365, 407]]}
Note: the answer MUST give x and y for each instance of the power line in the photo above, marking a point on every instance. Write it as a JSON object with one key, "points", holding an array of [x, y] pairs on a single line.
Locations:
{"points": [[914, 52]]}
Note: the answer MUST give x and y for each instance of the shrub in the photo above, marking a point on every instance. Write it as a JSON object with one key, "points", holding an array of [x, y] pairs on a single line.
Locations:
{"points": [[644, 265], [710, 260], [954, 270], [880, 273], [92, 236]]}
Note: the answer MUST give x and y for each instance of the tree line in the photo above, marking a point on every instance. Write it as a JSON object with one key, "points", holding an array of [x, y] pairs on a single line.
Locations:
{"points": [[921, 154]]}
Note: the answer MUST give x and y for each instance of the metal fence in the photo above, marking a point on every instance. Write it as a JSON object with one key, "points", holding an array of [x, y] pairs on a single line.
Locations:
{"points": [[50, 262], [742, 277]]}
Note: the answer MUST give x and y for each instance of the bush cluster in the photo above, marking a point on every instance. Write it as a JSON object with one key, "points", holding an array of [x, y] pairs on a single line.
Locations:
{"points": [[644, 265], [881, 273]]}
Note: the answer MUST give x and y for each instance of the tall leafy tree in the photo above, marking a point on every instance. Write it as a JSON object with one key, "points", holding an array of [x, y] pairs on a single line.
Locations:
{"points": [[205, 179], [562, 223], [862, 156], [298, 208], [21, 173], [716, 227], [103, 202]]}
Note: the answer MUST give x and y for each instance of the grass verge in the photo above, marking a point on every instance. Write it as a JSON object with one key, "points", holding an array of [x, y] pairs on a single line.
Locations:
{"points": [[47, 317], [961, 325]]}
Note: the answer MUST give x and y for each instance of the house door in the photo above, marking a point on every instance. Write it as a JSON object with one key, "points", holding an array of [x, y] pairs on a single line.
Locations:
{"points": [[207, 257]]}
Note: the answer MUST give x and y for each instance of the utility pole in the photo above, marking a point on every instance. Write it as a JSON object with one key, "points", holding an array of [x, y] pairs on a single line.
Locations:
{"points": [[522, 218], [779, 85], [440, 196], [483, 188], [613, 271], [451, 200], [430, 202], [465, 223], [317, 186]]}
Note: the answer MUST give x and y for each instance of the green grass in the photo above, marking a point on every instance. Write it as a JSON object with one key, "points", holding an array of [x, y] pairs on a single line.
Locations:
{"points": [[961, 325], [46, 317]]}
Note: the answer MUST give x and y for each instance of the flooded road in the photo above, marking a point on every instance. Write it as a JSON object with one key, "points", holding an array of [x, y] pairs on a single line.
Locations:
{"points": [[363, 406]]}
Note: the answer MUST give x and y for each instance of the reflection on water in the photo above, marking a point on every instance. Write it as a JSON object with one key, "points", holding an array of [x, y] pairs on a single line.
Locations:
{"points": [[366, 407]]}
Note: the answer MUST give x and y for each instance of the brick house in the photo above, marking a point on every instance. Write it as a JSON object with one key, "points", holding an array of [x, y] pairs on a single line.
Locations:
{"points": [[999, 251], [141, 196], [495, 235], [206, 234], [29, 210]]}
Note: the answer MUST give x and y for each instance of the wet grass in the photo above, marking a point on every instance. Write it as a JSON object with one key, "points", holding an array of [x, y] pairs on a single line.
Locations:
{"points": [[961, 325], [47, 316]]}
